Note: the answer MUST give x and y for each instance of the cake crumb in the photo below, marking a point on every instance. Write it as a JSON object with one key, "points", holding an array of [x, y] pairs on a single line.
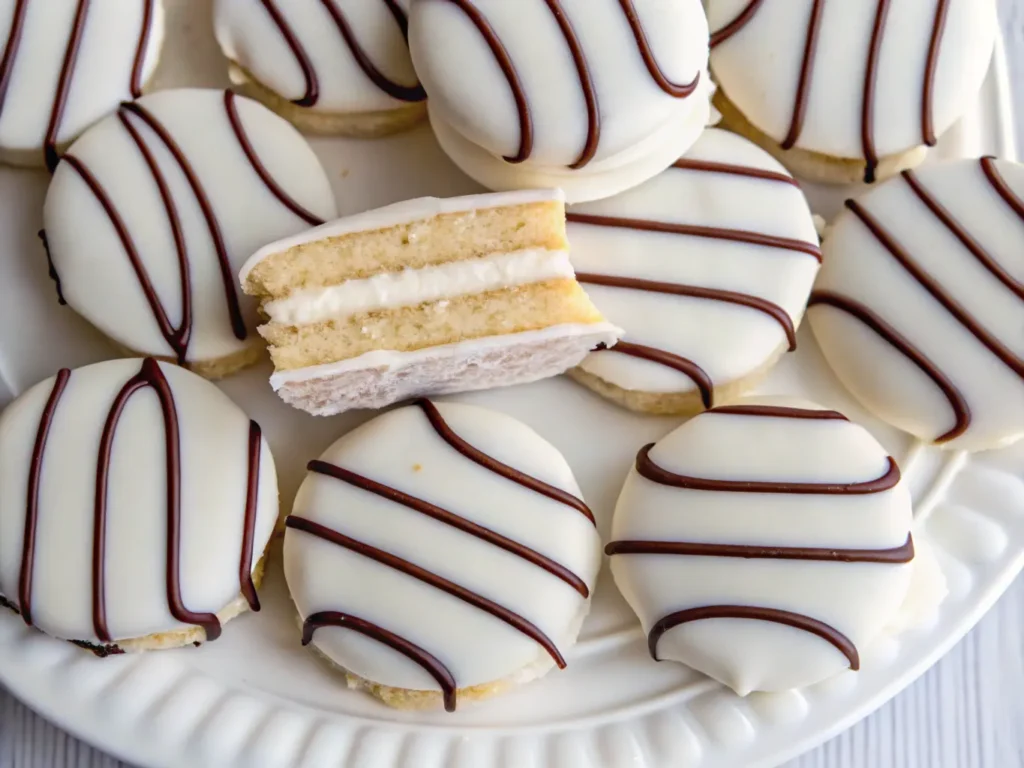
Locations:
{"points": [[417, 467]]}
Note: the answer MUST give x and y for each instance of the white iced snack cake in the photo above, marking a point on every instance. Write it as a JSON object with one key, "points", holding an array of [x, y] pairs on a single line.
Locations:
{"points": [[67, 63], [136, 505], [706, 267], [441, 553], [329, 66], [920, 304], [848, 91], [766, 544], [590, 97], [423, 297], [153, 210]]}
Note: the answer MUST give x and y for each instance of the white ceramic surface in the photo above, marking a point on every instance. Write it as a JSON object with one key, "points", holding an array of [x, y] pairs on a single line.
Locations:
{"points": [[255, 699]]}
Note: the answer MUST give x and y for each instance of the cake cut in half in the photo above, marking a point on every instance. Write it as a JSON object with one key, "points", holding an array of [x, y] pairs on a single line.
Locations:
{"points": [[428, 296]]}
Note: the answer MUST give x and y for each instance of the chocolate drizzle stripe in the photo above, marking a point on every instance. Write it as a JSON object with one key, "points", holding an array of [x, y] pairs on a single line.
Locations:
{"points": [[935, 289], [806, 73], [252, 491], [781, 412], [861, 312], [988, 166], [688, 164], [11, 48], [312, 84], [408, 93], [928, 89], [648, 469], [764, 306], [686, 367], [508, 68], [675, 90], [451, 519], [223, 260], [60, 99], [149, 376], [513, 620], [446, 433], [715, 233], [969, 242], [867, 125], [261, 170], [135, 85], [896, 555], [427, 661], [586, 84], [51, 270], [774, 615], [28, 548], [734, 26]]}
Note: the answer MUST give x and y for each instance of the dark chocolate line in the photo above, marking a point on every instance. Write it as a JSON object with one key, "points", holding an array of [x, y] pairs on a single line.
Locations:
{"points": [[426, 660], [969, 242], [716, 233], [252, 492], [896, 555], [928, 88], [60, 99], [508, 68], [781, 412], [226, 270], [35, 471], [764, 306], [648, 469], [675, 90], [930, 284], [734, 26], [408, 93], [867, 129], [312, 92], [499, 612], [261, 170], [796, 125], [774, 615], [451, 519], [988, 166], [11, 48], [686, 367], [586, 84], [149, 376], [135, 85], [446, 433], [51, 270], [861, 312], [688, 164]]}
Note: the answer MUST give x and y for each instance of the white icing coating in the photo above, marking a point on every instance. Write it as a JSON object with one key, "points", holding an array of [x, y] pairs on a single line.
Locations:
{"points": [[642, 128], [214, 468], [249, 36], [99, 80], [96, 274], [857, 599], [759, 68], [729, 342], [411, 287], [402, 450], [859, 267], [396, 214]]}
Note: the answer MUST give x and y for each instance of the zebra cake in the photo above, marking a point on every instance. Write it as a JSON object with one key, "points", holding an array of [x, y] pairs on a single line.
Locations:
{"points": [[441, 553]]}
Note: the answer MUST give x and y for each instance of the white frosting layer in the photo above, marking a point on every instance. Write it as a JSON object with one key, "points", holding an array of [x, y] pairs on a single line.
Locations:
{"points": [[860, 268], [405, 212], [858, 599], [759, 68], [729, 342], [100, 79], [401, 449], [411, 287], [97, 276], [214, 440]]}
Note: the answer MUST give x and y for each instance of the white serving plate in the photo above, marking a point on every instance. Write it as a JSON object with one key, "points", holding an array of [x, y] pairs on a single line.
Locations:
{"points": [[255, 698]]}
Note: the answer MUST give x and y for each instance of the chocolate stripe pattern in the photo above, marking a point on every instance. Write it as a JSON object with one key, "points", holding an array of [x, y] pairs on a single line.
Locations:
{"points": [[781, 412], [709, 166], [806, 71], [586, 84], [901, 554], [249, 525], [688, 368], [60, 98]]}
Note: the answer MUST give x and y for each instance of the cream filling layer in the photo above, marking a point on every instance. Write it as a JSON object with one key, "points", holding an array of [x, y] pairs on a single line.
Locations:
{"points": [[410, 287]]}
